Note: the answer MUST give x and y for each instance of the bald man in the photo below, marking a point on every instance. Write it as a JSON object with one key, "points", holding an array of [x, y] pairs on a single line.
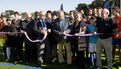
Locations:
{"points": [[40, 29], [105, 25], [27, 26]]}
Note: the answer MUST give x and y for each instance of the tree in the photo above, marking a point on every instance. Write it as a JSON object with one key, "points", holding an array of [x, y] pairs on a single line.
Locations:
{"points": [[97, 3], [23, 15], [82, 6], [93, 5], [116, 2], [9, 12], [101, 3]]}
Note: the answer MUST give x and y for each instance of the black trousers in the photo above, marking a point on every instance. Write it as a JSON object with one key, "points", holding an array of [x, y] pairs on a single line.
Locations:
{"points": [[30, 51], [28, 48], [18, 48], [48, 48], [80, 60]]}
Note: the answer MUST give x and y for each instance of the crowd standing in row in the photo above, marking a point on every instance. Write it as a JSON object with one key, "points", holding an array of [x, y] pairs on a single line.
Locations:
{"points": [[97, 21]]}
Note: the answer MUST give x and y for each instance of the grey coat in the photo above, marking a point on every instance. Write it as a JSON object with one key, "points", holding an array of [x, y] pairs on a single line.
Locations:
{"points": [[67, 26]]}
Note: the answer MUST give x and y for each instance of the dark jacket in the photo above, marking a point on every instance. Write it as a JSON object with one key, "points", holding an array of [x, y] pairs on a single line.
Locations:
{"points": [[36, 20], [18, 27], [37, 30], [67, 26], [75, 29], [105, 27], [19, 21], [10, 38], [28, 27]]}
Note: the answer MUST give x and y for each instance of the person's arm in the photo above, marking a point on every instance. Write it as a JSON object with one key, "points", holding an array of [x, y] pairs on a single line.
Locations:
{"points": [[55, 27], [40, 30], [11, 31], [95, 32], [22, 26]]}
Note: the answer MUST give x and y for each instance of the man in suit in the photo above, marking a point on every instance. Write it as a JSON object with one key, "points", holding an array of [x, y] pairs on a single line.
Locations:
{"points": [[39, 31], [27, 26], [62, 25]]}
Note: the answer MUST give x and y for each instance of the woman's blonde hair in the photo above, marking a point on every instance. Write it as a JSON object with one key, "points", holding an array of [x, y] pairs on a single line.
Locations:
{"points": [[77, 13]]}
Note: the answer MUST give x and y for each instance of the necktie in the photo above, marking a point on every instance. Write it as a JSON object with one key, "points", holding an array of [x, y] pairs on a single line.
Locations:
{"points": [[44, 25]]}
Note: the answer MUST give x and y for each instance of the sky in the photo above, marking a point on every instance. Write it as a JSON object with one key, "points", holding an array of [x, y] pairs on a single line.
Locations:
{"points": [[37, 5]]}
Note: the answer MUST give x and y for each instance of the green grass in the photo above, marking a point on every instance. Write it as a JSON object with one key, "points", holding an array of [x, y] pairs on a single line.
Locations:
{"points": [[56, 65], [9, 67]]}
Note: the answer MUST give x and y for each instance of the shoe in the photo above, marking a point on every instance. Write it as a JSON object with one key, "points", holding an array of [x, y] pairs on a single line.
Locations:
{"points": [[26, 63], [91, 67], [16, 62], [21, 61], [7, 60], [54, 60]]}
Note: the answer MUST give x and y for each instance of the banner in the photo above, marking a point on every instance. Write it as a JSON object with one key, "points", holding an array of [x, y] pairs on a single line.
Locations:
{"points": [[37, 40]]}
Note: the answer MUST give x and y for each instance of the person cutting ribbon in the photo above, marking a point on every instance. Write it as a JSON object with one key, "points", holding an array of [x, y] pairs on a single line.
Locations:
{"points": [[39, 30], [27, 29], [62, 25]]}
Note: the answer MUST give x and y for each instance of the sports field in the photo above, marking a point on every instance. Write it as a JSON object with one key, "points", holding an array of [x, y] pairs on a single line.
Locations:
{"points": [[55, 65]]}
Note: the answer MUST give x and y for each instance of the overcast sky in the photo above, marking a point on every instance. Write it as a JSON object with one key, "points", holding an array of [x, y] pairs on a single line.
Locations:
{"points": [[37, 5]]}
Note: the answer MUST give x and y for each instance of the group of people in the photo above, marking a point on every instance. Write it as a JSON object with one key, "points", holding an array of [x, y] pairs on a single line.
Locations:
{"points": [[56, 23]]}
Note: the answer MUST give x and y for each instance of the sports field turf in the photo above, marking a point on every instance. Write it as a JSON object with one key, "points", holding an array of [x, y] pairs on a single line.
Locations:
{"points": [[55, 65]]}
